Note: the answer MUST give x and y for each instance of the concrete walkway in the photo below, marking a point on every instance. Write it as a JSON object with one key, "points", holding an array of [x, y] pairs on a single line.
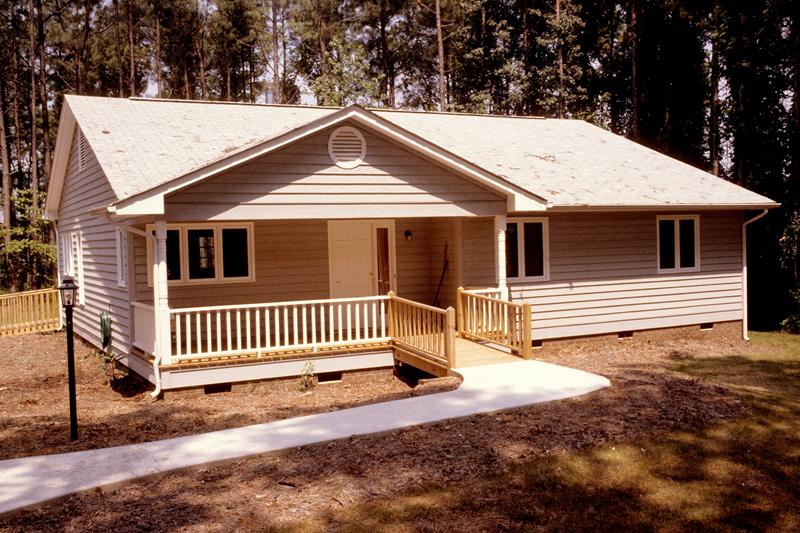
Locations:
{"points": [[33, 480]]}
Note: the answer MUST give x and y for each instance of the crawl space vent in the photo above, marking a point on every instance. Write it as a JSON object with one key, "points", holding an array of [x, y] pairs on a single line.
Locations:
{"points": [[347, 147]]}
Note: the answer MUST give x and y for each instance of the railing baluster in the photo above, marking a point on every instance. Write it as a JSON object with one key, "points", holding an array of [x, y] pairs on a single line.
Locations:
{"points": [[198, 333], [248, 340], [305, 325], [258, 329], [238, 329], [322, 323], [228, 329], [188, 318], [358, 322], [219, 332], [208, 331], [178, 352], [314, 324], [295, 324], [286, 340]]}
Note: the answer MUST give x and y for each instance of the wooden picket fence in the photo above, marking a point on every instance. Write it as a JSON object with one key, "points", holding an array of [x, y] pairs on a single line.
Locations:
{"points": [[30, 312]]}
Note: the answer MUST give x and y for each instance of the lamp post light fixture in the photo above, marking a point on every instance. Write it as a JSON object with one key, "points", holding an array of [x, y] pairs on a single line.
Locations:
{"points": [[69, 291]]}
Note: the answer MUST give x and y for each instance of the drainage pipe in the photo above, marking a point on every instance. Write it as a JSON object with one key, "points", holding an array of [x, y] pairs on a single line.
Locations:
{"points": [[744, 271]]}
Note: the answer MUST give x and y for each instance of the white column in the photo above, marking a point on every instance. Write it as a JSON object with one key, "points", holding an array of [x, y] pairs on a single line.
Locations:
{"points": [[161, 295], [500, 254]]}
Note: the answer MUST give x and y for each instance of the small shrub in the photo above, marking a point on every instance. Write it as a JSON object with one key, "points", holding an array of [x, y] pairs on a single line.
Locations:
{"points": [[791, 324], [307, 377]]}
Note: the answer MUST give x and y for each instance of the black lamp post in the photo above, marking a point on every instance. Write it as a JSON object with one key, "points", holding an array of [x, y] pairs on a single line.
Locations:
{"points": [[69, 291]]}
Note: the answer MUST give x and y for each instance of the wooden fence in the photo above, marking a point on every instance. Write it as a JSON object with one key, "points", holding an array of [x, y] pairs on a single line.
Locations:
{"points": [[497, 321], [30, 312]]}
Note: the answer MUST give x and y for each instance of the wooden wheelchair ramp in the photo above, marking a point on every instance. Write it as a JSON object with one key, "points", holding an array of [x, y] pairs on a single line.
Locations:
{"points": [[470, 353]]}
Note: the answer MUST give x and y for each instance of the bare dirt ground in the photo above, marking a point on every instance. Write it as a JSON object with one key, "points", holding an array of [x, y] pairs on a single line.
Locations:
{"points": [[318, 484], [34, 416]]}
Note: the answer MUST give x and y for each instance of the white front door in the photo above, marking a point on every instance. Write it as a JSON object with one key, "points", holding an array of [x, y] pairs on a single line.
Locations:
{"points": [[359, 251]]}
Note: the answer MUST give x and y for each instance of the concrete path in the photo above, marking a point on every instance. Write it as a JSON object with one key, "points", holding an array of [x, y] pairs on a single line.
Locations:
{"points": [[33, 480]]}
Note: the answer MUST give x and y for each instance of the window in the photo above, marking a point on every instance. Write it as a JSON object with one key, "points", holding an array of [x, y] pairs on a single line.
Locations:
{"points": [[198, 253], [122, 257], [67, 257], [678, 243], [527, 253]]}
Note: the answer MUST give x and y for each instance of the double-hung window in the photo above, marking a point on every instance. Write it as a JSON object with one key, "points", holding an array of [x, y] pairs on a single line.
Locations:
{"points": [[208, 253], [678, 243], [527, 249]]}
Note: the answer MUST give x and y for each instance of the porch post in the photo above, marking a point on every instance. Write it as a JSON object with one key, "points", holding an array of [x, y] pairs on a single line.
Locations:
{"points": [[500, 254], [160, 295]]}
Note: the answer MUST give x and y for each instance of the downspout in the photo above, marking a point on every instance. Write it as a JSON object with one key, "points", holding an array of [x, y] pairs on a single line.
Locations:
{"points": [[744, 271], [150, 240]]}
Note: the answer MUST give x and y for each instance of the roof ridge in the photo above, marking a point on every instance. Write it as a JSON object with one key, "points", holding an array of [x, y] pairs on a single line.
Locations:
{"points": [[308, 106]]}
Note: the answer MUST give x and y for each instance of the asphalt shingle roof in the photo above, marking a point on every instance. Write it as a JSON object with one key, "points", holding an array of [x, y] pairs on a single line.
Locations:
{"points": [[143, 143]]}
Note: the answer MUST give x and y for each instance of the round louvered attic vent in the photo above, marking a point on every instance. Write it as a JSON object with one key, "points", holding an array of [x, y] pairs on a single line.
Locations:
{"points": [[347, 147]]}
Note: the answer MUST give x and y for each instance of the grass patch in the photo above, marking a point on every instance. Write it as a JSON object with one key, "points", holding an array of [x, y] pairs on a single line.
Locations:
{"points": [[742, 474]]}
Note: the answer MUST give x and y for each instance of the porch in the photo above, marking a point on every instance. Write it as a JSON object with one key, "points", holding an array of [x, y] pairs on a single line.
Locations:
{"points": [[260, 341]]}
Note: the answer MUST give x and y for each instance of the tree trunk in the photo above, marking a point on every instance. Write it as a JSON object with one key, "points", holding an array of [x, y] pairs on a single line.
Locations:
{"points": [[200, 46], [15, 112], [158, 49], [43, 95], [277, 85], [560, 47], [118, 50], [6, 165], [440, 48], [634, 37], [387, 57], [34, 140], [227, 74], [131, 51], [713, 117]]}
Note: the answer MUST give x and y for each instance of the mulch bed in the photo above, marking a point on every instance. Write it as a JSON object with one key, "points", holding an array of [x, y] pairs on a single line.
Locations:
{"points": [[646, 398], [34, 416]]}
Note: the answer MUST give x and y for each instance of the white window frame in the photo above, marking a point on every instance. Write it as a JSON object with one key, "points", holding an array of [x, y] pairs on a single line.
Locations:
{"points": [[217, 227], [122, 258], [676, 222], [67, 256], [77, 250], [520, 221]]}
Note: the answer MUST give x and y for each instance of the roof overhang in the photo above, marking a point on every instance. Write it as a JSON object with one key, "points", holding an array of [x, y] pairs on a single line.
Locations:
{"points": [[152, 200], [58, 169], [660, 208]]}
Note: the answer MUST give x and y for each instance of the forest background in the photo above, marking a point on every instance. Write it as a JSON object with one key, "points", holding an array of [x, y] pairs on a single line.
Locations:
{"points": [[713, 83]]}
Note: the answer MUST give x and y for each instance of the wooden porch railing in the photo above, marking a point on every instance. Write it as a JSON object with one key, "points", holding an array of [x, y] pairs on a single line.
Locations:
{"points": [[497, 321], [423, 330], [278, 327], [29, 312]]}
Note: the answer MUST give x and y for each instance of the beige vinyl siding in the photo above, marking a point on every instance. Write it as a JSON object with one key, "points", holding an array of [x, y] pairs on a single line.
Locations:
{"points": [[83, 190], [478, 251], [603, 277], [302, 182], [291, 262]]}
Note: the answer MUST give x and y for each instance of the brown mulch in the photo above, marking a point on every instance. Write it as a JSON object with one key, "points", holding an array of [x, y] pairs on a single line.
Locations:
{"points": [[645, 398], [34, 415]]}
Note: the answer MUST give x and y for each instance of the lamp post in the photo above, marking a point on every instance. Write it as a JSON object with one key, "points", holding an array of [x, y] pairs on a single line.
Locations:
{"points": [[68, 292]]}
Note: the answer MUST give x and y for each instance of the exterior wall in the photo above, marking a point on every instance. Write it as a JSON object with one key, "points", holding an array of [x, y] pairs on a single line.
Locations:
{"points": [[603, 277], [478, 250], [301, 182], [83, 190], [291, 263]]}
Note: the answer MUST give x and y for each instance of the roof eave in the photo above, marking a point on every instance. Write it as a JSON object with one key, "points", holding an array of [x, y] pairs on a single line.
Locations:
{"points": [[662, 207], [58, 169]]}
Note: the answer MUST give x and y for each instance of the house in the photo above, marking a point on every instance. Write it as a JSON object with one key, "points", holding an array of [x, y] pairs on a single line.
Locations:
{"points": [[237, 241]]}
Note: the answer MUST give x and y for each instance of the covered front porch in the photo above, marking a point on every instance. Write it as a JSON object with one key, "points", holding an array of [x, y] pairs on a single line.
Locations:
{"points": [[362, 294]]}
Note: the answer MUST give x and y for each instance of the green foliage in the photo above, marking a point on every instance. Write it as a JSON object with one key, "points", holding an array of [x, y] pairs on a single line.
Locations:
{"points": [[307, 377], [345, 79], [29, 259]]}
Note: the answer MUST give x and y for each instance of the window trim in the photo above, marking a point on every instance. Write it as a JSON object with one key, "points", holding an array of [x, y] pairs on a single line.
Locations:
{"points": [[545, 221], [122, 258], [218, 278], [67, 255], [676, 222]]}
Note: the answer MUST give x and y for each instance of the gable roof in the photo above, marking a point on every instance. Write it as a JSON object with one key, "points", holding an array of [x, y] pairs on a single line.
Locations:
{"points": [[145, 144]]}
